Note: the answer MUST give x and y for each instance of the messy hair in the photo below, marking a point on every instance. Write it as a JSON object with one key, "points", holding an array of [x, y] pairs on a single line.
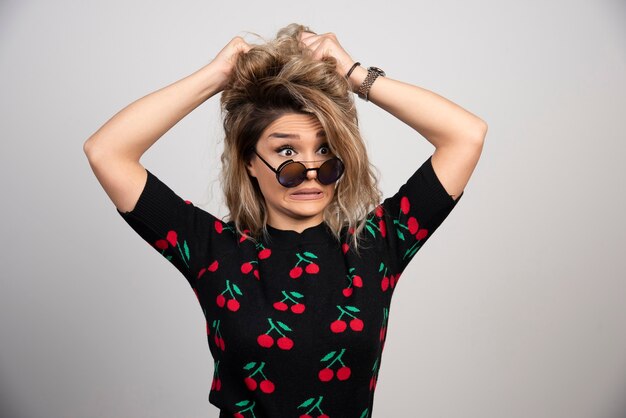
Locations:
{"points": [[281, 77]]}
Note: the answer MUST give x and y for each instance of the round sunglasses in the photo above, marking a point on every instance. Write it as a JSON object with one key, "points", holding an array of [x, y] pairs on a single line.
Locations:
{"points": [[292, 173]]}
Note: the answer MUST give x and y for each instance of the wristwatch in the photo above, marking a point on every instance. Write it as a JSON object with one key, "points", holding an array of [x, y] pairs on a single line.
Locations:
{"points": [[372, 74]]}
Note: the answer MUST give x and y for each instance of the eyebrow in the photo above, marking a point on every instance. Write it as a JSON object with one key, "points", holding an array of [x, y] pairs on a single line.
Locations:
{"points": [[320, 134]]}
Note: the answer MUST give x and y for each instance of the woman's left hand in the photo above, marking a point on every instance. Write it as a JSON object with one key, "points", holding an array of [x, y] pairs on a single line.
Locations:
{"points": [[327, 45]]}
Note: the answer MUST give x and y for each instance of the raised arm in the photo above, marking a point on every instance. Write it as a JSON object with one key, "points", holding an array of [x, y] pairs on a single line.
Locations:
{"points": [[457, 134], [115, 149]]}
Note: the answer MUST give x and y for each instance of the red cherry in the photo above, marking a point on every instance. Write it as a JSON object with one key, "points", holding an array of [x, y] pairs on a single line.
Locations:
{"points": [[265, 340], [372, 383], [338, 326], [237, 415], [383, 228], [214, 265], [246, 268], [421, 234], [213, 385], [326, 374], [217, 340], [267, 386], [379, 211], [382, 333], [264, 253], [298, 308], [405, 205], [221, 300], [345, 248], [284, 343], [305, 416], [295, 272], [256, 274], [356, 324], [201, 273], [312, 268], [250, 383], [172, 238], [161, 244], [384, 283], [323, 416], [232, 305], [218, 384], [219, 227], [392, 280], [281, 306], [357, 281], [412, 225], [347, 292], [208, 330], [222, 345], [343, 373]]}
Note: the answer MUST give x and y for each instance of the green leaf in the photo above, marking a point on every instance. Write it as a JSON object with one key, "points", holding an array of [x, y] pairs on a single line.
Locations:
{"points": [[242, 403], [328, 356], [382, 266], [236, 288], [400, 234], [249, 365], [186, 248], [296, 294], [310, 255], [283, 326], [353, 309], [365, 413], [169, 257], [306, 403], [370, 230]]}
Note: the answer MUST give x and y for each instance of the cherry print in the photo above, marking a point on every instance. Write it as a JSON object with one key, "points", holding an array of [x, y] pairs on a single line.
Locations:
{"points": [[354, 280], [345, 248], [405, 206], [213, 267], [413, 225], [284, 343], [246, 268], [216, 384], [347, 292], [172, 239], [339, 325], [264, 253], [384, 283], [379, 211], [357, 281], [311, 267], [219, 341], [266, 385], [219, 226], [297, 308], [421, 234], [383, 228], [312, 404], [232, 304], [326, 374]]}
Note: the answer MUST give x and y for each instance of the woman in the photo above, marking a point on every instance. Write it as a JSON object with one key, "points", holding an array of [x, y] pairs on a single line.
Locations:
{"points": [[296, 286]]}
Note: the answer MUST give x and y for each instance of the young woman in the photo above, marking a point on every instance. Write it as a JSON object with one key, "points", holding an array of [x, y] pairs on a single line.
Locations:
{"points": [[296, 285]]}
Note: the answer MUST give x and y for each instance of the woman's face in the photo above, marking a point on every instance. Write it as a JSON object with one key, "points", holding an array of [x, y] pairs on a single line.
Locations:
{"points": [[301, 138]]}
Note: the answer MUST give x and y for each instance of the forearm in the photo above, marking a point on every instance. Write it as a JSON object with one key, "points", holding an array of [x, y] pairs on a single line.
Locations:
{"points": [[134, 129], [440, 121]]}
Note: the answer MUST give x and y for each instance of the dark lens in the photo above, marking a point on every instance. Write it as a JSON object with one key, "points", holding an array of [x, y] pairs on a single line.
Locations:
{"points": [[330, 171], [292, 174]]}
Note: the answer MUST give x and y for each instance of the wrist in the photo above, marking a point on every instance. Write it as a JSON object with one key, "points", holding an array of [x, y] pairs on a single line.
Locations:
{"points": [[357, 77]]}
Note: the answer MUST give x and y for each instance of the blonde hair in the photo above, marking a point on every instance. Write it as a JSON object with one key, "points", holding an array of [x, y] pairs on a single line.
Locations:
{"points": [[281, 77]]}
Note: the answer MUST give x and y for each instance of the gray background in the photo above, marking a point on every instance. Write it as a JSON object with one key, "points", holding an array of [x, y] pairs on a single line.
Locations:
{"points": [[515, 308]]}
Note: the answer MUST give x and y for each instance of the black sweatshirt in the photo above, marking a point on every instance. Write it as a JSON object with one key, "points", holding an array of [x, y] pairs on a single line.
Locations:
{"points": [[296, 323]]}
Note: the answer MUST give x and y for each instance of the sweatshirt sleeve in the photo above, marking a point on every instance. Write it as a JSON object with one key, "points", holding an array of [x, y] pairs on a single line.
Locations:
{"points": [[178, 230], [409, 218]]}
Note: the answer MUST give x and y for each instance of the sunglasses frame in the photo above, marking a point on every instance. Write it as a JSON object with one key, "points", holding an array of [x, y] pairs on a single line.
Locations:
{"points": [[278, 170]]}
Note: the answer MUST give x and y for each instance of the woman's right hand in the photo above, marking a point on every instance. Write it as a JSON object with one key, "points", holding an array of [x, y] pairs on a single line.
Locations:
{"points": [[225, 60]]}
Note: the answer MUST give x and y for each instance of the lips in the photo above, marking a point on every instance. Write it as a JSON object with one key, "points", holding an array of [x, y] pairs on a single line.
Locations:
{"points": [[307, 193]]}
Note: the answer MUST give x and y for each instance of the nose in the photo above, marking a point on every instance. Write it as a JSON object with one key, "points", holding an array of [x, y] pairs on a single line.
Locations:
{"points": [[311, 174]]}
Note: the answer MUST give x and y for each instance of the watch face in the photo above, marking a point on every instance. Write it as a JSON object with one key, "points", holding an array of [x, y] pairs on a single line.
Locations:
{"points": [[378, 70]]}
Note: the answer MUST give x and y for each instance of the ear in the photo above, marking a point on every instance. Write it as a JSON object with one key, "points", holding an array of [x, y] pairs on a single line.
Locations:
{"points": [[251, 168]]}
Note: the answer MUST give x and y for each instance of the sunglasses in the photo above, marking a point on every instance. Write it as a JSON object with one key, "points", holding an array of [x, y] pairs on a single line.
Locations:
{"points": [[292, 173]]}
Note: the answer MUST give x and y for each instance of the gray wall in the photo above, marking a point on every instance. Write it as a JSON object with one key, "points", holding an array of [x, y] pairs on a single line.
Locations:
{"points": [[514, 309]]}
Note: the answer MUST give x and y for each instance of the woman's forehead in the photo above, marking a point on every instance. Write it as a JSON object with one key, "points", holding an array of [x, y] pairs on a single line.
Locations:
{"points": [[294, 126]]}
